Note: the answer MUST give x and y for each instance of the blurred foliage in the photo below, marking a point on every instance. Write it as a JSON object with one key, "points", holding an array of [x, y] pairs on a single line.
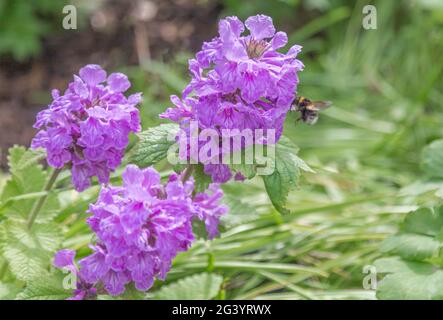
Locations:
{"points": [[387, 92], [387, 89], [23, 23]]}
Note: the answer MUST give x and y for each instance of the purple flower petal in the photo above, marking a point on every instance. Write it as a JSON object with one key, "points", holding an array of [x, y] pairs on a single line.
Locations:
{"points": [[260, 26], [118, 82], [280, 40], [93, 74], [64, 258]]}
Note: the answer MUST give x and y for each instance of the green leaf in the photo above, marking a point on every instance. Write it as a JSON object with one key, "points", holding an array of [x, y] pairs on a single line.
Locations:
{"points": [[202, 286], [29, 252], [3, 237], [286, 174], [27, 180], [397, 264], [26, 263], [239, 211], [426, 221], [432, 159], [409, 280], [20, 159], [154, 145], [417, 238], [248, 170], [411, 246], [45, 288], [415, 272], [8, 291], [199, 229], [202, 180]]}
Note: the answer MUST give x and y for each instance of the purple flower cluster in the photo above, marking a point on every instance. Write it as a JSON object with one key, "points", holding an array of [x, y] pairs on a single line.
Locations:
{"points": [[88, 126], [64, 259], [141, 226], [239, 82]]}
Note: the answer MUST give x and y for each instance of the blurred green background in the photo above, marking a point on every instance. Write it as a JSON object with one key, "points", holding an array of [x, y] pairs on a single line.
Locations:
{"points": [[385, 84]]}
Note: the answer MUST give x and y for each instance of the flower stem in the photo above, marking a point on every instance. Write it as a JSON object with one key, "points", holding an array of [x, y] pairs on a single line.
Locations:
{"points": [[187, 173], [41, 201]]}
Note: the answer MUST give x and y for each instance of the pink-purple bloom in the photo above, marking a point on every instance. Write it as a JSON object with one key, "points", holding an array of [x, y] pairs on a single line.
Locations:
{"points": [[64, 259], [87, 127], [141, 226], [239, 81]]}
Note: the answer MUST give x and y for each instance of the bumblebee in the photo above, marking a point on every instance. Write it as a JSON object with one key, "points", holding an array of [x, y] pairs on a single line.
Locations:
{"points": [[309, 109]]}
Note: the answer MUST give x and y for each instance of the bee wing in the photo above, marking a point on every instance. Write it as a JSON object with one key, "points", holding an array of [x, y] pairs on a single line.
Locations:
{"points": [[319, 105]]}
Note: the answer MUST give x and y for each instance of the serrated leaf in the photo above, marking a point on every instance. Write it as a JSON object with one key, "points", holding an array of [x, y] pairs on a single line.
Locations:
{"points": [[409, 280], [426, 221], [20, 158], [24, 262], [432, 159], [29, 252], [239, 211], [45, 288], [415, 272], [286, 174], [27, 179], [397, 264], [153, 145], [202, 286], [411, 246]]}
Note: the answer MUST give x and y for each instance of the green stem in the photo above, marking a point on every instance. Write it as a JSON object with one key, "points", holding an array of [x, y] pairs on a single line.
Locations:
{"points": [[187, 173], [41, 201]]}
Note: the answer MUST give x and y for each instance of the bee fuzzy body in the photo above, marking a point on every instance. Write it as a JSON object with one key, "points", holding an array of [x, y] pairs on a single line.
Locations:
{"points": [[309, 109]]}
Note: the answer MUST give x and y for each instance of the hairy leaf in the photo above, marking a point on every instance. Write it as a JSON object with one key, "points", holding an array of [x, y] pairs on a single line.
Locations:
{"points": [[29, 252], [25, 185], [45, 288], [414, 272], [239, 211], [202, 286], [154, 144], [286, 174], [409, 280], [432, 159]]}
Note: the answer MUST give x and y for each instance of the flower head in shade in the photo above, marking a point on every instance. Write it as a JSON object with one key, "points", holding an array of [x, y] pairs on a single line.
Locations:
{"points": [[142, 225], [240, 81], [88, 126]]}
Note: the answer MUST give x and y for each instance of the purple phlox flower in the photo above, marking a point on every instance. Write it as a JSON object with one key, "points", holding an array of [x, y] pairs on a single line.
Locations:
{"points": [[141, 226], [87, 127]]}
